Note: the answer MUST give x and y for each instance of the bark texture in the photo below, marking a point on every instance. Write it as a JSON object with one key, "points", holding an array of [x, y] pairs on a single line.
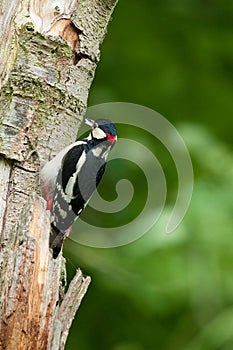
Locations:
{"points": [[48, 54]]}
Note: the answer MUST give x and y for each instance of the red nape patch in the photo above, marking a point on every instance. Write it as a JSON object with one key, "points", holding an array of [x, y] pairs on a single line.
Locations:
{"points": [[111, 138]]}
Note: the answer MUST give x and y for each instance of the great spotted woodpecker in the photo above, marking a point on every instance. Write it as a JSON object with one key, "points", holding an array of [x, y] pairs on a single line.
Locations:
{"points": [[69, 179]]}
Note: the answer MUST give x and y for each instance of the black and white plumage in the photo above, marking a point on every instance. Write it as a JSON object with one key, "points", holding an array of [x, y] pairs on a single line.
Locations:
{"points": [[69, 179]]}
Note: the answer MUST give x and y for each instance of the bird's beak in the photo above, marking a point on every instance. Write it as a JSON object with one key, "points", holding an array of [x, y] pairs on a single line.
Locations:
{"points": [[91, 123]]}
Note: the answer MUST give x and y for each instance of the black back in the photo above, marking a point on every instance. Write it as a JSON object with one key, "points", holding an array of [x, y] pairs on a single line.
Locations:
{"points": [[86, 182]]}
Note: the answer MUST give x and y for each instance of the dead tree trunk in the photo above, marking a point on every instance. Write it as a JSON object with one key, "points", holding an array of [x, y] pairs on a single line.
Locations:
{"points": [[48, 55]]}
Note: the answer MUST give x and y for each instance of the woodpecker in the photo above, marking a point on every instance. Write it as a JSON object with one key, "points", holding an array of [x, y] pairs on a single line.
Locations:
{"points": [[69, 180]]}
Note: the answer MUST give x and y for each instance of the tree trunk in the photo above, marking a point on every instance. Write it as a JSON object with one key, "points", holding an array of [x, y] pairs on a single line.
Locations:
{"points": [[48, 55]]}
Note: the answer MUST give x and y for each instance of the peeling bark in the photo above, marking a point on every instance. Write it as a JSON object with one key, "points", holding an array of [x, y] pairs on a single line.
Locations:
{"points": [[48, 55]]}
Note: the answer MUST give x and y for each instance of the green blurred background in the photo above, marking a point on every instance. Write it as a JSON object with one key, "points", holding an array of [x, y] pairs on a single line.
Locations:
{"points": [[167, 292]]}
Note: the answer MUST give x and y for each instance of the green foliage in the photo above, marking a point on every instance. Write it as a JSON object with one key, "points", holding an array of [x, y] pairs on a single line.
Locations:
{"points": [[167, 292]]}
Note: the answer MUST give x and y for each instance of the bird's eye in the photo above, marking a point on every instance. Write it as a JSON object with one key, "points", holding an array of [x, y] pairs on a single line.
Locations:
{"points": [[98, 133]]}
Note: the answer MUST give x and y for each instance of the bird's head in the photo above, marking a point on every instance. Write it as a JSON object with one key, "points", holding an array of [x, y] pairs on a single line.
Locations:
{"points": [[102, 130]]}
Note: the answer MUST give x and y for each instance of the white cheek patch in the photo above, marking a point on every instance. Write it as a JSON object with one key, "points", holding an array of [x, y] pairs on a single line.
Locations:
{"points": [[98, 133]]}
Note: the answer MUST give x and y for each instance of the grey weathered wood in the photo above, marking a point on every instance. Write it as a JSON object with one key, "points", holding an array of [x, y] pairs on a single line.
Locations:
{"points": [[48, 55]]}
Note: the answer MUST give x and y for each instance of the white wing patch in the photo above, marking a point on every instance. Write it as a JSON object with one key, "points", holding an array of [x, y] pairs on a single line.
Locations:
{"points": [[50, 170], [62, 212], [70, 185], [98, 133]]}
